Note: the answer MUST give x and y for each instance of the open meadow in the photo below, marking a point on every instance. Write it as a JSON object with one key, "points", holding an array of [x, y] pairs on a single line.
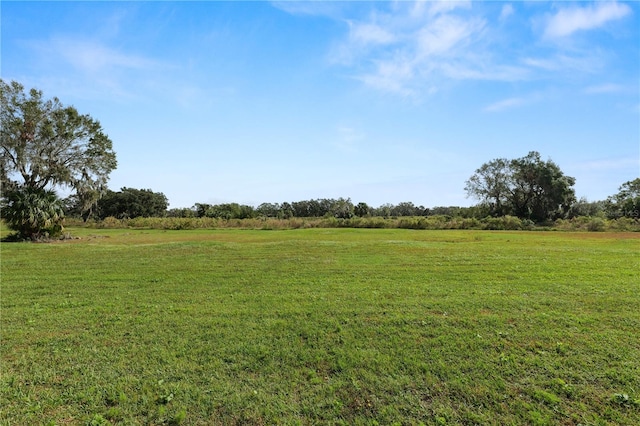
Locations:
{"points": [[321, 326]]}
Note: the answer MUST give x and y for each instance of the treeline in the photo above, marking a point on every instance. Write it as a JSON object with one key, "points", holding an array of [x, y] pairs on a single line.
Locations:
{"points": [[131, 208], [340, 208], [528, 188], [130, 203]]}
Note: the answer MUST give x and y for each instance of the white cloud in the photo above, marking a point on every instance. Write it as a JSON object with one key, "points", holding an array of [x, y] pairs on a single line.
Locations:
{"points": [[369, 33], [94, 57], [609, 164], [440, 7], [310, 7], [604, 89], [569, 20], [505, 104], [348, 138], [392, 76], [410, 48], [91, 68], [414, 48], [421, 9], [506, 12], [589, 62], [479, 69], [445, 33]]}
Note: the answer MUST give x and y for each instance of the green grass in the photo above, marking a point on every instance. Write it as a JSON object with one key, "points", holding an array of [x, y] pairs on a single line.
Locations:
{"points": [[321, 326]]}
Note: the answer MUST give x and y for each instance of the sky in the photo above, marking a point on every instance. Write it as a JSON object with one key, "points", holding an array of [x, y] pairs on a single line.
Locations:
{"points": [[381, 102]]}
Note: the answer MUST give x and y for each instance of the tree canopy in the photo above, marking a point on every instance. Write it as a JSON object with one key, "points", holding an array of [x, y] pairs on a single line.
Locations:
{"points": [[131, 202], [525, 187], [44, 144], [626, 203]]}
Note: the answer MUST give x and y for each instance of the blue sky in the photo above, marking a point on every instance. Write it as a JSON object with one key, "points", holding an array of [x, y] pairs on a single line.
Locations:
{"points": [[381, 102]]}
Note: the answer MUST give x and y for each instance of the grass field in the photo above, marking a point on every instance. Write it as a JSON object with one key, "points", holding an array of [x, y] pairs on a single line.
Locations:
{"points": [[321, 326]]}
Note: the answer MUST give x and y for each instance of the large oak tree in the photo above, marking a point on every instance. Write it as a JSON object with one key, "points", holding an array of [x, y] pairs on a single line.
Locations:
{"points": [[44, 145], [527, 187]]}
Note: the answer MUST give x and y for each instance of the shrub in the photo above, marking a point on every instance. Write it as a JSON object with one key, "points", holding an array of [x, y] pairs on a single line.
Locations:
{"points": [[34, 214], [596, 224], [413, 223]]}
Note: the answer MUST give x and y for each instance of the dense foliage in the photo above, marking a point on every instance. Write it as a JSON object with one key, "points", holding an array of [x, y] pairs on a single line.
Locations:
{"points": [[436, 222], [526, 187], [33, 213], [131, 202], [44, 144], [340, 208], [581, 215], [625, 203]]}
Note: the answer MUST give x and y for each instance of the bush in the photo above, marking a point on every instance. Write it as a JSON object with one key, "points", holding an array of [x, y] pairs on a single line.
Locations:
{"points": [[596, 224], [373, 222], [35, 214], [624, 224], [413, 223], [502, 223]]}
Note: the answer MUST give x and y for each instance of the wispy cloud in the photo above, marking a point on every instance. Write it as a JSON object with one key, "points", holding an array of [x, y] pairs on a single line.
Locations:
{"points": [[583, 62], [413, 49], [433, 8], [506, 12], [96, 66], [505, 104], [408, 50], [370, 33], [392, 76], [444, 34], [572, 19], [310, 7], [348, 139], [92, 57], [605, 89], [609, 164]]}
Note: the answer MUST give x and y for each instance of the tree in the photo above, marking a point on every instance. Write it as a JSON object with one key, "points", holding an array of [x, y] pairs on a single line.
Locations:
{"points": [[540, 190], [583, 207], [268, 209], [131, 202], [490, 184], [286, 211], [407, 208], [201, 209], [181, 212], [626, 203], [230, 211], [44, 144], [384, 210], [526, 187], [342, 208], [362, 210]]}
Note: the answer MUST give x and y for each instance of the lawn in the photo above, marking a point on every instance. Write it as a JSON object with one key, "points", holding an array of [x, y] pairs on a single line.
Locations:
{"points": [[321, 326]]}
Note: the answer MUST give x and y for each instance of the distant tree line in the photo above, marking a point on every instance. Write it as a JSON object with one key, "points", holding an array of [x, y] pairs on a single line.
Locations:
{"points": [[528, 188], [340, 208], [129, 203]]}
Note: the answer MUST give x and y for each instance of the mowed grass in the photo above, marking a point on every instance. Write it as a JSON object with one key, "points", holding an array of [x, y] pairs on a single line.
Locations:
{"points": [[321, 326]]}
